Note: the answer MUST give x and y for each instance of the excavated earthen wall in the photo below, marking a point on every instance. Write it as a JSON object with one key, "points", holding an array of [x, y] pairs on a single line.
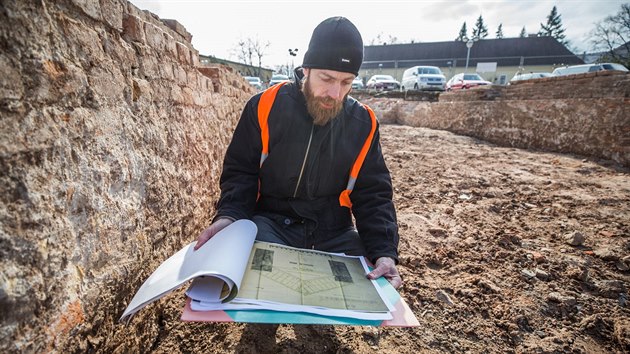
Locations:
{"points": [[586, 114], [111, 146]]}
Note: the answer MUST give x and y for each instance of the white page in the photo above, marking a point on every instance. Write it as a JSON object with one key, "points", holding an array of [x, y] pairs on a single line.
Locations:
{"points": [[207, 289], [234, 305], [224, 255]]}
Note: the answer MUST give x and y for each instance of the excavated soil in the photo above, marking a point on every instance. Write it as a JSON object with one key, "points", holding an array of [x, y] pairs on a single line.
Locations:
{"points": [[501, 249]]}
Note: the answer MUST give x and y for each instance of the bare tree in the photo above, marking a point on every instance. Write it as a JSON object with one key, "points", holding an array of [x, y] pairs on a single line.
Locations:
{"points": [[612, 35], [243, 52], [282, 69], [260, 49], [381, 40], [249, 49]]}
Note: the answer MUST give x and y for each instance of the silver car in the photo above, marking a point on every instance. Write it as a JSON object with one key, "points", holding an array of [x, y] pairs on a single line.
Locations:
{"points": [[357, 84], [423, 78], [529, 76], [278, 78], [588, 68], [255, 81]]}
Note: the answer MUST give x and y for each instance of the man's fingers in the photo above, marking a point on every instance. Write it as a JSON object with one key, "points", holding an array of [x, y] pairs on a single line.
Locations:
{"points": [[396, 281], [386, 267], [211, 231], [203, 238], [392, 277], [378, 272]]}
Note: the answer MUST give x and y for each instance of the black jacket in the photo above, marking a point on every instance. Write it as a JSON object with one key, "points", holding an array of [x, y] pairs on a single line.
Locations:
{"points": [[324, 174]]}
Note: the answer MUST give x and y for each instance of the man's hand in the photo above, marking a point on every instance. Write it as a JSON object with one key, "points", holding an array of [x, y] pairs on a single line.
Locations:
{"points": [[386, 267], [212, 230]]}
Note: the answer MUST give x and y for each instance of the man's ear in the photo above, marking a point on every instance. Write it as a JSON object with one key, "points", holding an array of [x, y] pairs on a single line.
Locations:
{"points": [[306, 71]]}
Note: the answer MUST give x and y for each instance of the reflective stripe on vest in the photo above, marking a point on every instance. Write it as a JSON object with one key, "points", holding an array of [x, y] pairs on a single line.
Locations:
{"points": [[264, 107], [344, 197]]}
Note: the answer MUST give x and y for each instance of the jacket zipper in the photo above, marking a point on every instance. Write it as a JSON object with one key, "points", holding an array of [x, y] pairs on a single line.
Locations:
{"points": [[308, 147]]}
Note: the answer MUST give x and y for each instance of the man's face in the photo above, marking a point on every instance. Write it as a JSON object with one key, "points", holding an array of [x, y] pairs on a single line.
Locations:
{"points": [[325, 92]]}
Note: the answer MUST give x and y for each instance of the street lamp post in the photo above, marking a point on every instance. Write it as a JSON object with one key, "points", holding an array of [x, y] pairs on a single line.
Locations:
{"points": [[469, 45], [293, 53]]}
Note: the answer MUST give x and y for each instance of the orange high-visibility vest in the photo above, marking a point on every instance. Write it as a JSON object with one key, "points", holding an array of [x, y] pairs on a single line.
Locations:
{"points": [[264, 107]]}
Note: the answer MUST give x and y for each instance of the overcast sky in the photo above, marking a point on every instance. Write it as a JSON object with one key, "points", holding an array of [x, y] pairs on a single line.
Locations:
{"points": [[217, 26]]}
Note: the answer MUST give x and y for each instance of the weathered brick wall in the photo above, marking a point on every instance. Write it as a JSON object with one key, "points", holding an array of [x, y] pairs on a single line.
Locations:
{"points": [[586, 114], [111, 145]]}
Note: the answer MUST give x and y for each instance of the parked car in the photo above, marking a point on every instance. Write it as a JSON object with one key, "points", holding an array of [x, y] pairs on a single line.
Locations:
{"points": [[529, 76], [255, 81], [278, 78], [357, 83], [423, 78], [382, 82], [465, 81], [588, 68]]}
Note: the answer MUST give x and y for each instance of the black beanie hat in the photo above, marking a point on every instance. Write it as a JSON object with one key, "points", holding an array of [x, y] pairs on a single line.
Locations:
{"points": [[336, 45]]}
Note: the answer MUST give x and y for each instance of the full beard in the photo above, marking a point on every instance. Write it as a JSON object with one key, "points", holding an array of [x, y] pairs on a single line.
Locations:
{"points": [[321, 115]]}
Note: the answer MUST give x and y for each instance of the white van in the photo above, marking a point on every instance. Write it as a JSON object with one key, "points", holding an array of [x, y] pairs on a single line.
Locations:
{"points": [[588, 68], [423, 78]]}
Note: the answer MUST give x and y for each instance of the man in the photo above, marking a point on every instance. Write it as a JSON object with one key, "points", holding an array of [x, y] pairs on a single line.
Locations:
{"points": [[315, 133]]}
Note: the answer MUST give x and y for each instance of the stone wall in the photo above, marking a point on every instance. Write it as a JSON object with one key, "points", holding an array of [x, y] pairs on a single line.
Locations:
{"points": [[586, 114], [111, 145]]}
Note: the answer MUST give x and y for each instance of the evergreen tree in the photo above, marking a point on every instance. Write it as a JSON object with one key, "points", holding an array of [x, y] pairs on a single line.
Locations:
{"points": [[500, 31], [553, 27], [480, 30], [463, 33], [523, 33]]}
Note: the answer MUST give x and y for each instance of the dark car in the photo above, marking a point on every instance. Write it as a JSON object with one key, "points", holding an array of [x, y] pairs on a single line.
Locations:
{"points": [[382, 83]]}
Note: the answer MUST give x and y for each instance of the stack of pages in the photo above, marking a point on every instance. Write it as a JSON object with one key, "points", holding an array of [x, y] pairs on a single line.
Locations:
{"points": [[232, 271]]}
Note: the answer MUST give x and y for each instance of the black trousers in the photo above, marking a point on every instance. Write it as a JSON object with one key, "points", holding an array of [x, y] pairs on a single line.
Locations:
{"points": [[276, 228]]}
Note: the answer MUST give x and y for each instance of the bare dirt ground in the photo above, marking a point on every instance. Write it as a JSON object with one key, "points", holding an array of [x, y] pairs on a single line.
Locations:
{"points": [[502, 250]]}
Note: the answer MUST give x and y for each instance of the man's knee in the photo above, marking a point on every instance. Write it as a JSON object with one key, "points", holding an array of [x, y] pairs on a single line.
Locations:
{"points": [[348, 242]]}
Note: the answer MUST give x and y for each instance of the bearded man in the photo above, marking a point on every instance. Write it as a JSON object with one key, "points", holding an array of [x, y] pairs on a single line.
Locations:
{"points": [[304, 191]]}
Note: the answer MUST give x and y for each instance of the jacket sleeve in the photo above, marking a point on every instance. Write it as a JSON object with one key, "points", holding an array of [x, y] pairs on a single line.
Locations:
{"points": [[239, 179], [373, 207]]}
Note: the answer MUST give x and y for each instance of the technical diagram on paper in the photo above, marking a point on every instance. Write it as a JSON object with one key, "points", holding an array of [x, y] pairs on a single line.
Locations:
{"points": [[293, 276]]}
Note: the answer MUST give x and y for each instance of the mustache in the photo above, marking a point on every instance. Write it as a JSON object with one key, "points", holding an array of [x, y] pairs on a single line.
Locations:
{"points": [[329, 101]]}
